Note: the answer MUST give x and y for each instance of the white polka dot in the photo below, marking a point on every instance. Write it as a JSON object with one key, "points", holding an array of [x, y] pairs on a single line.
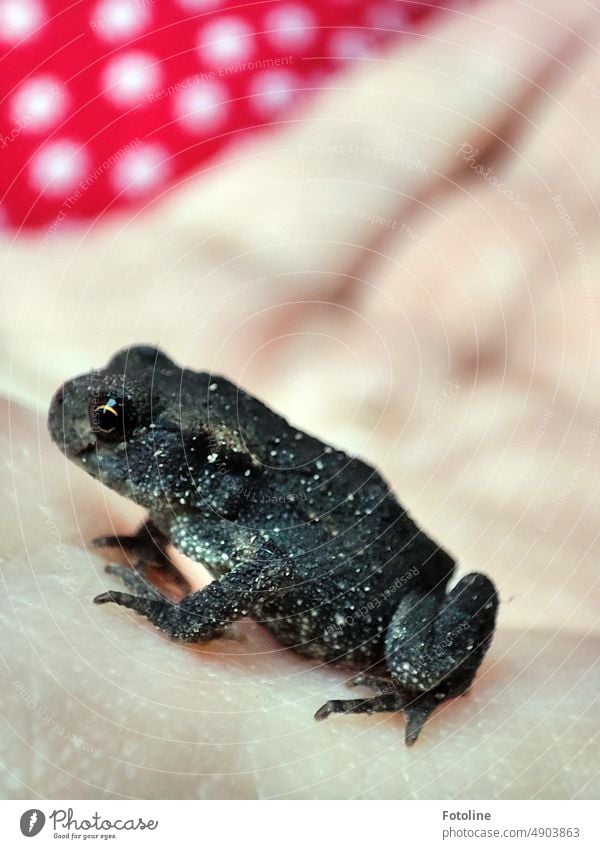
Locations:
{"points": [[273, 90], [225, 40], [39, 103], [128, 79], [292, 26], [201, 105], [119, 20], [140, 170], [58, 167], [346, 44], [19, 18]]}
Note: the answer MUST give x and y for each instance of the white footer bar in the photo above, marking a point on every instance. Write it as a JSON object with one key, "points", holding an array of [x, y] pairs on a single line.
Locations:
{"points": [[300, 824]]}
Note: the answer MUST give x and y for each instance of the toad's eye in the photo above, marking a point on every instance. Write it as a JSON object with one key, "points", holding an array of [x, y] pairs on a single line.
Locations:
{"points": [[111, 418]]}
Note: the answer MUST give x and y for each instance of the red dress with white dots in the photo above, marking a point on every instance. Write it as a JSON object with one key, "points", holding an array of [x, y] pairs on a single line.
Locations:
{"points": [[106, 104]]}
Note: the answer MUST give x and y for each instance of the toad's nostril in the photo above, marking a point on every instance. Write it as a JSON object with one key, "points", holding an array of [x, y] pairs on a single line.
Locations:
{"points": [[59, 397]]}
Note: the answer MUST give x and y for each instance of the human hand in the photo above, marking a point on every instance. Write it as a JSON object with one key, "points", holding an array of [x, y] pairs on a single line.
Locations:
{"points": [[408, 310]]}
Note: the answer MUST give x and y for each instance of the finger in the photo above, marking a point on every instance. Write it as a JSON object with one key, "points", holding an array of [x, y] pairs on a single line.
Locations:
{"points": [[468, 263], [279, 222], [113, 709], [99, 703], [417, 104]]}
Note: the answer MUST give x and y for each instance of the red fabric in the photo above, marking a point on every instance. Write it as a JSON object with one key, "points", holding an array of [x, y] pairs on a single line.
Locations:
{"points": [[108, 103]]}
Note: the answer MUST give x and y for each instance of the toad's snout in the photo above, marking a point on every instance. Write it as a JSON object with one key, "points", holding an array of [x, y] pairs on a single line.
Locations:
{"points": [[56, 417]]}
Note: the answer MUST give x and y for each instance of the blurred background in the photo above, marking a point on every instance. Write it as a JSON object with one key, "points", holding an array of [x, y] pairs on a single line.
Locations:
{"points": [[379, 217]]}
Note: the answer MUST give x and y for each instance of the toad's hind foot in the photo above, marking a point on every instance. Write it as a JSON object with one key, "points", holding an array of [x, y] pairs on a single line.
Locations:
{"points": [[435, 643], [378, 683], [433, 647], [417, 711], [376, 704]]}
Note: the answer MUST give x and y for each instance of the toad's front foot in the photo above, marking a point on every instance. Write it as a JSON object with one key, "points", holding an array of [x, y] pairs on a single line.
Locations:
{"points": [[147, 548], [147, 543], [133, 580], [201, 616]]}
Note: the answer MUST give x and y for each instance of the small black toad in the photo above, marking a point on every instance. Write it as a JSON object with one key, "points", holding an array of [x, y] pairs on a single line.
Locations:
{"points": [[298, 535]]}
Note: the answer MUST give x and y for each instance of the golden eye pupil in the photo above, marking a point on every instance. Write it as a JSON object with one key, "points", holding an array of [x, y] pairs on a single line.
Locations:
{"points": [[109, 408], [108, 417]]}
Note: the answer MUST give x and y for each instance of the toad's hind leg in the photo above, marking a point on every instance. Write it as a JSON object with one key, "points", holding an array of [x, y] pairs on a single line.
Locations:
{"points": [[417, 710], [378, 683], [376, 704], [435, 644]]}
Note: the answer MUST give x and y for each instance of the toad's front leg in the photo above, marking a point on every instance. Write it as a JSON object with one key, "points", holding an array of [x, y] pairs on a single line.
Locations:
{"points": [[147, 548], [206, 614]]}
